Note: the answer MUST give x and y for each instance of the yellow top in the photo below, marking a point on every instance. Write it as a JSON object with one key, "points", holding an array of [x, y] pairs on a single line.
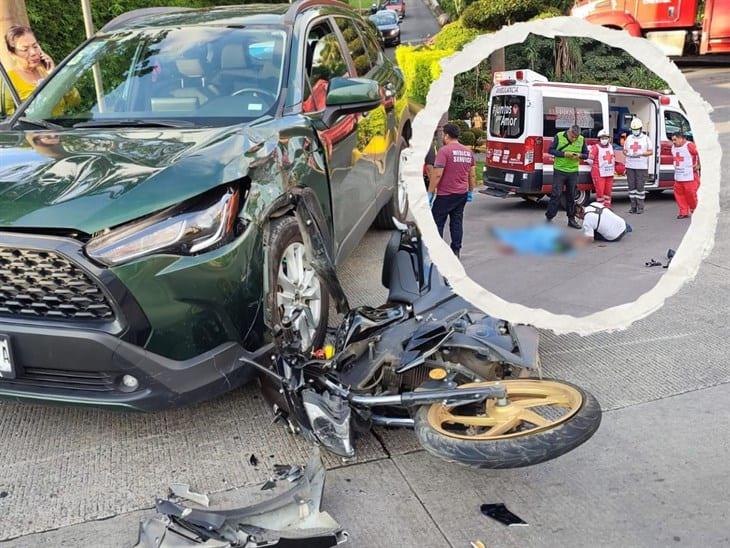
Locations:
{"points": [[25, 88]]}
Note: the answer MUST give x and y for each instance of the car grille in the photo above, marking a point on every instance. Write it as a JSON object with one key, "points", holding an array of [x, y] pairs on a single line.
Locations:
{"points": [[43, 284], [68, 380]]}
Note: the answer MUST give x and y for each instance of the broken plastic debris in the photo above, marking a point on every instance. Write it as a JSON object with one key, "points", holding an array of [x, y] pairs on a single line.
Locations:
{"points": [[253, 461], [477, 544], [500, 513], [270, 484], [182, 490], [291, 518]]}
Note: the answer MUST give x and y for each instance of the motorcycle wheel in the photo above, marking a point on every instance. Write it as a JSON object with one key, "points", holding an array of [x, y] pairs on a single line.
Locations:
{"points": [[541, 420]]}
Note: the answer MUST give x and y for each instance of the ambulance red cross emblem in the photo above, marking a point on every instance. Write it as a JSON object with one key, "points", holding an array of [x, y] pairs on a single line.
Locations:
{"points": [[635, 147], [678, 159]]}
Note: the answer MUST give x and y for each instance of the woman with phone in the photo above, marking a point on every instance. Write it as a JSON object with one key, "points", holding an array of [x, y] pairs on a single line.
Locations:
{"points": [[32, 65]]}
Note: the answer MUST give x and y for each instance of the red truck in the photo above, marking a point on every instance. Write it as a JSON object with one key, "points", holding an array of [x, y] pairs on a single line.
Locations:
{"points": [[672, 24]]}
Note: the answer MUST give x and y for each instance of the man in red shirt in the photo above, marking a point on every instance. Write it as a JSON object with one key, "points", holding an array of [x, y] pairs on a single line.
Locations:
{"points": [[452, 185], [686, 174]]}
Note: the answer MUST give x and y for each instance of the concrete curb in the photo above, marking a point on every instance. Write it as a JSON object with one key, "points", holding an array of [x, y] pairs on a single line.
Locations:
{"points": [[440, 15]]}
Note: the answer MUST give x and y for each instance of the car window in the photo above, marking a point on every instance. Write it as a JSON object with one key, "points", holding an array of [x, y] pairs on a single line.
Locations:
{"points": [[371, 44], [385, 18], [324, 61], [559, 114], [674, 121], [356, 46], [203, 75]]}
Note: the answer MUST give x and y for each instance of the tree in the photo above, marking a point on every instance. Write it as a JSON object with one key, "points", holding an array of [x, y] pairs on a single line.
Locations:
{"points": [[568, 59], [12, 12]]}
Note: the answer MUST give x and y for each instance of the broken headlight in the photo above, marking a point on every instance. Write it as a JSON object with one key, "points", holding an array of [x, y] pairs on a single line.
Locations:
{"points": [[194, 226]]}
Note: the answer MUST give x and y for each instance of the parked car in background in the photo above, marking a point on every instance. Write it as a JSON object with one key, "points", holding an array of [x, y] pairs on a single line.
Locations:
{"points": [[398, 6], [388, 25], [147, 234]]}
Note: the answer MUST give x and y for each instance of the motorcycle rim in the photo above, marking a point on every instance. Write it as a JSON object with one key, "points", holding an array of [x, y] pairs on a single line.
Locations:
{"points": [[532, 406]]}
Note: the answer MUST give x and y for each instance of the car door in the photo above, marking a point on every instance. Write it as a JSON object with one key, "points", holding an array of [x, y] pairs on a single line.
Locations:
{"points": [[351, 175], [394, 105], [9, 100]]}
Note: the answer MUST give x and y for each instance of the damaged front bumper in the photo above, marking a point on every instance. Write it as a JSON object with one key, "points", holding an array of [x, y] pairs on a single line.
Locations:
{"points": [[291, 518]]}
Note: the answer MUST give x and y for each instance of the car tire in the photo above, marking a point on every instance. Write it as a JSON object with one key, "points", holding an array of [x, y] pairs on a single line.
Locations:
{"points": [[397, 206], [286, 243]]}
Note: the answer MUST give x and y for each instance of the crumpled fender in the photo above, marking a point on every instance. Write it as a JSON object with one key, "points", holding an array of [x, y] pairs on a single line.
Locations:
{"points": [[303, 203]]}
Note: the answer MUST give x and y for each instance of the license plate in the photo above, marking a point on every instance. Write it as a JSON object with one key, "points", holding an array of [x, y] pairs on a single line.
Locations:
{"points": [[509, 177], [7, 370]]}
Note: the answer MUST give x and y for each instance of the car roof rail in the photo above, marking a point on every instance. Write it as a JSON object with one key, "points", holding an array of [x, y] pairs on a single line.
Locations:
{"points": [[133, 15], [300, 5]]}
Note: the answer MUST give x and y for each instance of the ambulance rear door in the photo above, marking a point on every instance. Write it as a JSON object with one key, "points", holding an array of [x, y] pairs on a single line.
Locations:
{"points": [[514, 131], [563, 107]]}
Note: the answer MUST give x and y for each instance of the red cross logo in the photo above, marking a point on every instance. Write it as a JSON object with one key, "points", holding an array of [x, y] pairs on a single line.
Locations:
{"points": [[608, 156], [678, 159], [635, 147]]}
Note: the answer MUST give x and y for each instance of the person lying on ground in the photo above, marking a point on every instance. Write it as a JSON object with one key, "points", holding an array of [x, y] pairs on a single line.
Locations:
{"points": [[537, 240]]}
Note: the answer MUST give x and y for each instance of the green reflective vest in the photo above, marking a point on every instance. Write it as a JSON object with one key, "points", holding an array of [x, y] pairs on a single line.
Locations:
{"points": [[567, 165]]}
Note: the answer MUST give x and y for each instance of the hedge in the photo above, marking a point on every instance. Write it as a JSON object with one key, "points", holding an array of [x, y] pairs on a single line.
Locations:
{"points": [[420, 66], [454, 36], [492, 15], [59, 25]]}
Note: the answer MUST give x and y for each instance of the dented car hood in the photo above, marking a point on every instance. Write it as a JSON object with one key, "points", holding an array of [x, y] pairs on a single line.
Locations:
{"points": [[88, 180]]}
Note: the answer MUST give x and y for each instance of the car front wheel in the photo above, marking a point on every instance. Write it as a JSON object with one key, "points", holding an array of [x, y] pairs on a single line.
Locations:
{"points": [[299, 291], [397, 206]]}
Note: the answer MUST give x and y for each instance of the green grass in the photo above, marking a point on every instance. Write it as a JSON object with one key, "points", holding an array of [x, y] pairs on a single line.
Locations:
{"points": [[360, 4]]}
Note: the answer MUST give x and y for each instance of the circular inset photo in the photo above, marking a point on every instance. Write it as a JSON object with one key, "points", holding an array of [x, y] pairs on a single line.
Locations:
{"points": [[570, 176]]}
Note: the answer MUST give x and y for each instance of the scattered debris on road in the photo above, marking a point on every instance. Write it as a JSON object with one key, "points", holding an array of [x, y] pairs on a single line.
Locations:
{"points": [[182, 491], [500, 513], [291, 517]]}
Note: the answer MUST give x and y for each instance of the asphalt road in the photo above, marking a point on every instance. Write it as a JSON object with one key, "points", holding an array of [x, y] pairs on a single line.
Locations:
{"points": [[579, 283], [655, 474]]}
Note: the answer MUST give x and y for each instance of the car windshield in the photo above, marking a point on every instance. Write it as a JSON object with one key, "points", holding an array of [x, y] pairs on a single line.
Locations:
{"points": [[206, 76], [394, 2], [384, 18]]}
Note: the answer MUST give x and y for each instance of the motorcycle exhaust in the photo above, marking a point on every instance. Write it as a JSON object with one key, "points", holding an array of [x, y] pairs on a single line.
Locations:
{"points": [[424, 397], [400, 422]]}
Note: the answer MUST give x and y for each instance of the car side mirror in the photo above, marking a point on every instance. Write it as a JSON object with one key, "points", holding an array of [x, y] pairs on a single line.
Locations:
{"points": [[350, 96]]}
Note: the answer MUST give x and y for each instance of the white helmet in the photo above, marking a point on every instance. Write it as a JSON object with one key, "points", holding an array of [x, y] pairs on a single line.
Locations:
{"points": [[636, 124], [603, 133]]}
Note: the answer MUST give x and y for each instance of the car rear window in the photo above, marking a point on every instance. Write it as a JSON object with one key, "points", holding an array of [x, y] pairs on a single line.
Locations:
{"points": [[507, 116], [561, 113]]}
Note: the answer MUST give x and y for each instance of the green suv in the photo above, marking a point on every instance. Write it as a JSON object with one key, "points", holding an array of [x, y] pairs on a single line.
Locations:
{"points": [[148, 195]]}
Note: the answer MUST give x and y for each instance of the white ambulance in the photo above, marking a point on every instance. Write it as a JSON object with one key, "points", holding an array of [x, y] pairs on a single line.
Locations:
{"points": [[526, 112]]}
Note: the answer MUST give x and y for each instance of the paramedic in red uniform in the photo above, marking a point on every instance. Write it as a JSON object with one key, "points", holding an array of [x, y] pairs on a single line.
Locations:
{"points": [[451, 186], [637, 149], [686, 174], [603, 162]]}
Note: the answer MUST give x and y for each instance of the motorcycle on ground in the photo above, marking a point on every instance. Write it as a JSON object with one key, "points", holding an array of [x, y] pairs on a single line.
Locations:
{"points": [[425, 360]]}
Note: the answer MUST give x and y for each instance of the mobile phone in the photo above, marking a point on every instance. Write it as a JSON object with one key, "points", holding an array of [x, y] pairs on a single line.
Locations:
{"points": [[45, 62]]}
